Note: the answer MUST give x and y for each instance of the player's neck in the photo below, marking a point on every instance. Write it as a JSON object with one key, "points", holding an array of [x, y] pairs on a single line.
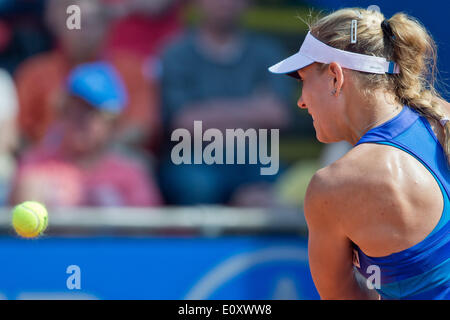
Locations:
{"points": [[366, 115]]}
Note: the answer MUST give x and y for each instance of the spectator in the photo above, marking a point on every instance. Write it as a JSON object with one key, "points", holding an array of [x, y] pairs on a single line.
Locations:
{"points": [[8, 133], [40, 79], [217, 73], [73, 165], [156, 21]]}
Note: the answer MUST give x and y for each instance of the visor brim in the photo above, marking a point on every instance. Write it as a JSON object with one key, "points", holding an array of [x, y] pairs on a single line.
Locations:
{"points": [[290, 65]]}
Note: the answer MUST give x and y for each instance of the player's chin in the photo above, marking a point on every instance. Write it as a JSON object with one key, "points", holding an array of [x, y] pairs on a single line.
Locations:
{"points": [[321, 137]]}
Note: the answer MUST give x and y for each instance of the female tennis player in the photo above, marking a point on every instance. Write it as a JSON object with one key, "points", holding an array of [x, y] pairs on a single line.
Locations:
{"points": [[383, 209]]}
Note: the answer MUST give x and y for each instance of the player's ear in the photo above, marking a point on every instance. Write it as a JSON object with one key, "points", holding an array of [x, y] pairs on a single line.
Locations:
{"points": [[336, 74]]}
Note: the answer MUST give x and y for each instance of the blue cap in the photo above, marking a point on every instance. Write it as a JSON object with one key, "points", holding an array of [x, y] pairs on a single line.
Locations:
{"points": [[98, 84]]}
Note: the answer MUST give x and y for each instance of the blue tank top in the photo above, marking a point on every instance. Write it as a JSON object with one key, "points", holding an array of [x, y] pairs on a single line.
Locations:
{"points": [[423, 270]]}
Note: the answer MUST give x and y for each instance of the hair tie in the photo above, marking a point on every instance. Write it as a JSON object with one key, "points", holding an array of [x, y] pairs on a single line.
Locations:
{"points": [[444, 121], [387, 29]]}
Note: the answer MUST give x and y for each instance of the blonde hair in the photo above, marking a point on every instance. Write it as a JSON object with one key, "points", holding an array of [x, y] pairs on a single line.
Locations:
{"points": [[407, 43]]}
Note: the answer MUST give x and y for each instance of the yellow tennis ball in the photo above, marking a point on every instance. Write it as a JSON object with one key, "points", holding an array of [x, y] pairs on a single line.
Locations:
{"points": [[29, 219]]}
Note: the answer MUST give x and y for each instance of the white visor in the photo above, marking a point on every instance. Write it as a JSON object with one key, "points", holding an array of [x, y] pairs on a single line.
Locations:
{"points": [[313, 50]]}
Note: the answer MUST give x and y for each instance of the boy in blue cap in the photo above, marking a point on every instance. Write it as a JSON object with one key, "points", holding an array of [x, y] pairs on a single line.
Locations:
{"points": [[73, 166]]}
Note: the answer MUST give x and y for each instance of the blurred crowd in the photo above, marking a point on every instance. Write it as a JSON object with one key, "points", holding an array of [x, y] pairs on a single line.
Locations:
{"points": [[86, 114]]}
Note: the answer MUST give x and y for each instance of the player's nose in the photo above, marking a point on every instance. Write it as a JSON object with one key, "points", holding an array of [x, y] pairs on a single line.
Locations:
{"points": [[301, 103]]}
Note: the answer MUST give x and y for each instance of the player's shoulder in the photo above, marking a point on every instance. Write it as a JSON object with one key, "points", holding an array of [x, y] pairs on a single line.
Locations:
{"points": [[366, 164], [355, 180], [361, 166]]}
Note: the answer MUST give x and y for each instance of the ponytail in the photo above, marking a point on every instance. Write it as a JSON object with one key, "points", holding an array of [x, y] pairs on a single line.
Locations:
{"points": [[415, 52]]}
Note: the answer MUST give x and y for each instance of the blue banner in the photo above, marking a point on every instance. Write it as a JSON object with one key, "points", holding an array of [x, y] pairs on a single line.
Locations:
{"points": [[227, 267]]}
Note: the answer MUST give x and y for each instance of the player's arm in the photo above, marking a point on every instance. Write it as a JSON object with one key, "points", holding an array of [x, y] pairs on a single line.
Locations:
{"points": [[329, 249]]}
